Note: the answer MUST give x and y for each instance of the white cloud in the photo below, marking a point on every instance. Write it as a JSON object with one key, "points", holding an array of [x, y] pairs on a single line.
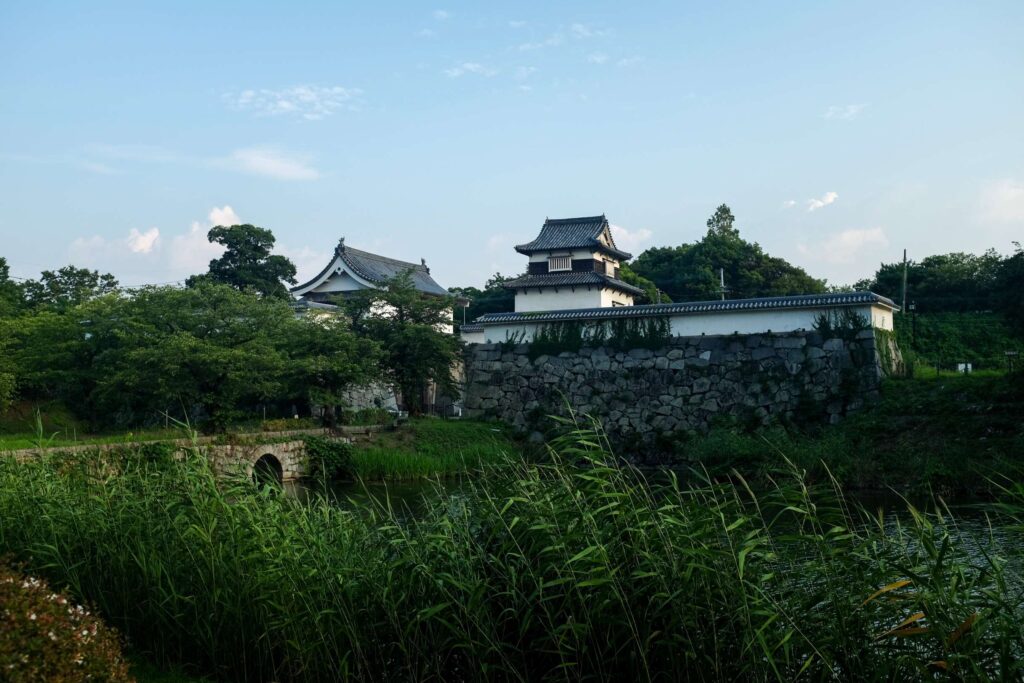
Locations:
{"points": [[1002, 201], [224, 216], [310, 102], [308, 262], [470, 68], [272, 163], [524, 72], [597, 58], [846, 246], [629, 61], [844, 112], [825, 200], [143, 242], [631, 240], [191, 252], [426, 33], [584, 31], [516, 24], [441, 14], [553, 40], [789, 204]]}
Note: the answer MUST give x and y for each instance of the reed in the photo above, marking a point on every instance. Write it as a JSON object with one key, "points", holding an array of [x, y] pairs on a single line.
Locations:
{"points": [[569, 569]]}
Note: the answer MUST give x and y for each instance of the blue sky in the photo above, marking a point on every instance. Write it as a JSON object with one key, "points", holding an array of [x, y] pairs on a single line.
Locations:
{"points": [[839, 133]]}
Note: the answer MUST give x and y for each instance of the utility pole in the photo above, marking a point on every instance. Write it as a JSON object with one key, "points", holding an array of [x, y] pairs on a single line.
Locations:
{"points": [[721, 280], [903, 304]]}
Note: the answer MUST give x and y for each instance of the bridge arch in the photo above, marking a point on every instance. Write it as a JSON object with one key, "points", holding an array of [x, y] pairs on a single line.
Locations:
{"points": [[268, 470]]}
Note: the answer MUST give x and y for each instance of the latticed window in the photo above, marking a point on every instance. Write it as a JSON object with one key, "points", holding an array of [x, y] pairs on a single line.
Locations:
{"points": [[559, 263]]}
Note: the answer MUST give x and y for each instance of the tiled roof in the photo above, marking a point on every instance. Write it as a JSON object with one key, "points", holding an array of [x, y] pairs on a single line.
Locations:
{"points": [[573, 233], [588, 277], [378, 269], [471, 328], [729, 305]]}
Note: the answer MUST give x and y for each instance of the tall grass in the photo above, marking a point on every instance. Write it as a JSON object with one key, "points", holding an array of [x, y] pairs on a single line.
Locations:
{"points": [[568, 570], [431, 448]]}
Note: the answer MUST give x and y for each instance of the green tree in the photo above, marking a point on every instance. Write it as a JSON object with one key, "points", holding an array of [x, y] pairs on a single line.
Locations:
{"points": [[67, 287], [954, 282], [327, 359], [412, 329], [12, 299], [721, 223], [493, 298], [690, 272], [651, 294], [247, 262], [1009, 299]]}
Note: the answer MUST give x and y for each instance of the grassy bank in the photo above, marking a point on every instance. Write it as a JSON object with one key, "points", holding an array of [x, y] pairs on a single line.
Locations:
{"points": [[567, 570], [430, 447], [948, 434]]}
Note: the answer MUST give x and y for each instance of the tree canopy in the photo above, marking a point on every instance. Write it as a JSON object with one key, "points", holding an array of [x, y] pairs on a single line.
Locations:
{"points": [[955, 282], [690, 272], [208, 351], [413, 331], [67, 287], [247, 262], [493, 298], [12, 299]]}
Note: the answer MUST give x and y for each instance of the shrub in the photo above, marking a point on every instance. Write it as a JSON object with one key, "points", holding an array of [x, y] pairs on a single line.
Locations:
{"points": [[46, 637], [286, 424], [328, 458], [366, 416]]}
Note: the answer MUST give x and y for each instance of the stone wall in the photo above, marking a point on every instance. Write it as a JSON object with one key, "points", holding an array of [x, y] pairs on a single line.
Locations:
{"points": [[642, 396]]}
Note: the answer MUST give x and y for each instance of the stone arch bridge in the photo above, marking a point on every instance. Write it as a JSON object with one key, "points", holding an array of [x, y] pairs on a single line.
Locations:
{"points": [[281, 456]]}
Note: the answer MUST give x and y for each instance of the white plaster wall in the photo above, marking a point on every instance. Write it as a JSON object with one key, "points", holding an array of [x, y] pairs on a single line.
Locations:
{"points": [[742, 322], [339, 282], [881, 317], [613, 297], [577, 254], [474, 337], [557, 299]]}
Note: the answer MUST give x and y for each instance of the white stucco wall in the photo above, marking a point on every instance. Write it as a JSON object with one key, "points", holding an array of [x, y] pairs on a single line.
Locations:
{"points": [[340, 282], [695, 324], [577, 255], [557, 299], [613, 297]]}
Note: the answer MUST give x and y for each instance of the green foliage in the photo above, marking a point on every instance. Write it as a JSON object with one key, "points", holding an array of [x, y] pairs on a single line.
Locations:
{"points": [[534, 572], [1009, 287], [366, 416], [690, 272], [945, 339], [493, 298], [651, 294], [67, 288], [328, 458], [247, 263], [430, 448], [44, 636], [947, 435], [554, 338], [12, 298], [844, 324], [954, 282], [411, 328], [639, 333], [208, 351], [620, 334]]}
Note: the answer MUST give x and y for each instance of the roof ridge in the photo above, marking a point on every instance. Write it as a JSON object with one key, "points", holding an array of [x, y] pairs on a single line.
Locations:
{"points": [[386, 259]]}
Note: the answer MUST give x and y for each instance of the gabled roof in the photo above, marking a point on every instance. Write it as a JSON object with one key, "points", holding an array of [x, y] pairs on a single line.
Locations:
{"points": [[375, 269], [571, 280], [574, 233], [726, 306]]}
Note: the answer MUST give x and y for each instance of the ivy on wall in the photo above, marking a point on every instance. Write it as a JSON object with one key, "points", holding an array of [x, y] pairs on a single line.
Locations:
{"points": [[620, 335]]}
